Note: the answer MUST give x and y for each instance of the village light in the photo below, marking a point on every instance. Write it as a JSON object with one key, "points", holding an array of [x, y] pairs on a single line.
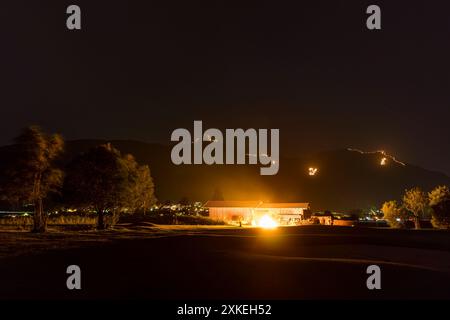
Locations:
{"points": [[267, 222], [312, 171], [383, 161]]}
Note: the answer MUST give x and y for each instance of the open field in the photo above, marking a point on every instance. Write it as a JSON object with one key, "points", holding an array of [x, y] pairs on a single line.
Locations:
{"points": [[180, 262]]}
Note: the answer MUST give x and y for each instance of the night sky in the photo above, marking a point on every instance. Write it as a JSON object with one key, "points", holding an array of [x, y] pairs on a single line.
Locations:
{"points": [[140, 69]]}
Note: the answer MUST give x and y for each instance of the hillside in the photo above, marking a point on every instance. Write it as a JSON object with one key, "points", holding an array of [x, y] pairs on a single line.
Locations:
{"points": [[345, 179]]}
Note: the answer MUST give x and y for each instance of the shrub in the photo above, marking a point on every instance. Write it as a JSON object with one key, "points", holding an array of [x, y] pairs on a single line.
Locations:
{"points": [[440, 204], [392, 213]]}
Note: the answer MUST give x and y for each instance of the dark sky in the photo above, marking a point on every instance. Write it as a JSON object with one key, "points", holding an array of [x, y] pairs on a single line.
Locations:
{"points": [[140, 69]]}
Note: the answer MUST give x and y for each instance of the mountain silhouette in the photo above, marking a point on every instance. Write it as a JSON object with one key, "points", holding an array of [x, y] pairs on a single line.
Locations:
{"points": [[345, 179]]}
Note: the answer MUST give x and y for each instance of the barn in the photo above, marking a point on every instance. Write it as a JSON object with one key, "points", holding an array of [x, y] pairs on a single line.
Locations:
{"points": [[247, 212]]}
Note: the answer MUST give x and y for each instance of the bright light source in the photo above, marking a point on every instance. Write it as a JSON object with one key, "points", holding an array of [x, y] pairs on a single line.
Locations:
{"points": [[383, 161], [267, 222], [312, 171]]}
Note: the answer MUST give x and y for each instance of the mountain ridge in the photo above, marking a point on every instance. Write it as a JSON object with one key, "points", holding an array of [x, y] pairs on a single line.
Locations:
{"points": [[345, 179]]}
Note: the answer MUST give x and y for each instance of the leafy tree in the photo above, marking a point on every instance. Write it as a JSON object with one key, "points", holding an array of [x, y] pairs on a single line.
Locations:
{"points": [[416, 201], [97, 179], [440, 204], [392, 213], [105, 181], [140, 185], [34, 174]]}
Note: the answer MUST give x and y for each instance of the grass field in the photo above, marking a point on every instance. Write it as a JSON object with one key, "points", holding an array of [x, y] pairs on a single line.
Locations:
{"points": [[212, 262]]}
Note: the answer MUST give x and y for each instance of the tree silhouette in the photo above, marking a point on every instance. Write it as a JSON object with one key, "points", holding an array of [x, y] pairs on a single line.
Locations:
{"points": [[140, 185], [34, 174], [105, 181], [97, 179]]}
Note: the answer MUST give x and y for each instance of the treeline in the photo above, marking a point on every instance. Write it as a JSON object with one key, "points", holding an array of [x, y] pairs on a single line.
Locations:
{"points": [[416, 205], [101, 180]]}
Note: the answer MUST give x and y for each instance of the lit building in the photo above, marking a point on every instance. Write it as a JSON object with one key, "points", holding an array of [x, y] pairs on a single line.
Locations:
{"points": [[247, 212]]}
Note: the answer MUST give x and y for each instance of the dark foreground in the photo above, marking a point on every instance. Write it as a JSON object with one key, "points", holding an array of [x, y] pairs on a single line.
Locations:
{"points": [[288, 263]]}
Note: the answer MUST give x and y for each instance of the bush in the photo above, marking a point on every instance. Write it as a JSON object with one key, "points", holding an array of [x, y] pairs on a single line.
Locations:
{"points": [[440, 204], [198, 220], [55, 220], [392, 213], [90, 221]]}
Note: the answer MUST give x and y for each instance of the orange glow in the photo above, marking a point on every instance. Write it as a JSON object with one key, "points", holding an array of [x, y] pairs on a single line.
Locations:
{"points": [[312, 171], [383, 161], [267, 222]]}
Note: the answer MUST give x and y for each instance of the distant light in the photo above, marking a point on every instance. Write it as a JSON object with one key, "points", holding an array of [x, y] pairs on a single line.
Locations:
{"points": [[383, 161], [312, 171]]}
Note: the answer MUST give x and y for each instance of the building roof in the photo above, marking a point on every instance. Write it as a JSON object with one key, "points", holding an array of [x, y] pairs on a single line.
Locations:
{"points": [[232, 204], [255, 204], [274, 205]]}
